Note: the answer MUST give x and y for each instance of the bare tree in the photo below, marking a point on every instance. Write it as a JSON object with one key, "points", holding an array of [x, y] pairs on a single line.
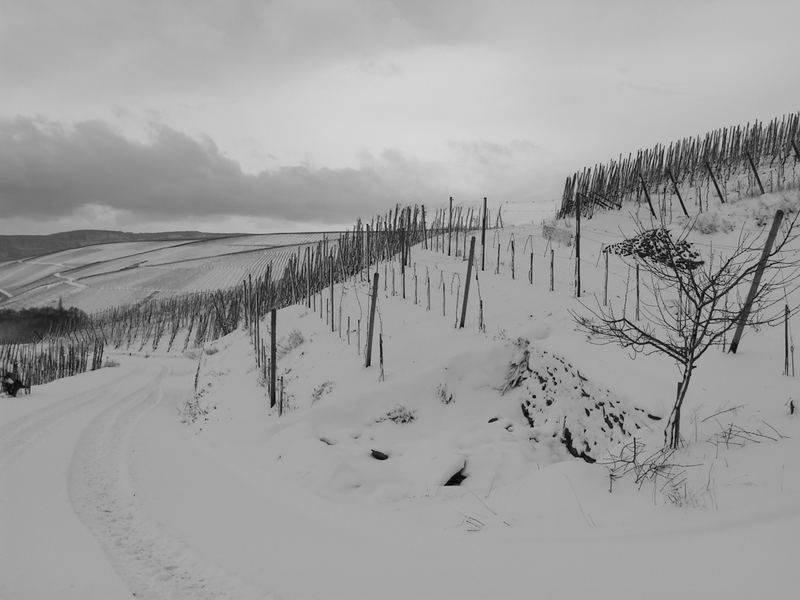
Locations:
{"points": [[691, 305]]}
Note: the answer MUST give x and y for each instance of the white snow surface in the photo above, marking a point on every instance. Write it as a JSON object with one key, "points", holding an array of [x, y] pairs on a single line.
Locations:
{"points": [[127, 482]]}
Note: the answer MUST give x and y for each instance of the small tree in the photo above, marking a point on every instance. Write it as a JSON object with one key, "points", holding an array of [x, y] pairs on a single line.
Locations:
{"points": [[691, 305]]}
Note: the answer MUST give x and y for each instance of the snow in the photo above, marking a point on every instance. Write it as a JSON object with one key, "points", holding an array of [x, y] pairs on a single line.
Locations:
{"points": [[129, 481], [95, 278]]}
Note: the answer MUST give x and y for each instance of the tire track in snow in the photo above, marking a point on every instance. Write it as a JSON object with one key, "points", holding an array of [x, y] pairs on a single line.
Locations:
{"points": [[147, 558], [21, 433]]}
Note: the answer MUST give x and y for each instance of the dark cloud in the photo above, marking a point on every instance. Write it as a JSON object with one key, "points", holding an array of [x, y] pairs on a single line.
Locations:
{"points": [[52, 170]]}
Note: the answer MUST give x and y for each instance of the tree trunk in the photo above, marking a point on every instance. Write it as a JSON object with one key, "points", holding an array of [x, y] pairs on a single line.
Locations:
{"points": [[672, 433]]}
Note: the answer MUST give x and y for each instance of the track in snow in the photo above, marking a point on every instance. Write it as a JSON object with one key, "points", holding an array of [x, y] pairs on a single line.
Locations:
{"points": [[151, 562]]}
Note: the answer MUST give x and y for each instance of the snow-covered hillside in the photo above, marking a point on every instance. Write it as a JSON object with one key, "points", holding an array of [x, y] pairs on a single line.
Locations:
{"points": [[169, 476], [94, 278]]}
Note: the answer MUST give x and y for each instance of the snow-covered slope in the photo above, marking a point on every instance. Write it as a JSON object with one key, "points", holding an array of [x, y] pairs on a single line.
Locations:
{"points": [[131, 480]]}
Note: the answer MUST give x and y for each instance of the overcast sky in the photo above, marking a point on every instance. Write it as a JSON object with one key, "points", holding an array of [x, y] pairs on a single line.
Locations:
{"points": [[247, 115]]}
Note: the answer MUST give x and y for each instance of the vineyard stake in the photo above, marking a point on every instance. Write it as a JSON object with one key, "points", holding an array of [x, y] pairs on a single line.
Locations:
{"points": [[371, 325], [578, 241], [483, 237], [646, 195], [677, 192], [716, 185], [273, 353], [450, 227], [786, 340], [466, 285], [530, 271], [748, 304], [333, 326], [755, 172]]}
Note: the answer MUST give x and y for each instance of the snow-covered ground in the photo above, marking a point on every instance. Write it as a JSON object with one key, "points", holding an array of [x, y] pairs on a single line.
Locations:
{"points": [[94, 278], [132, 482]]}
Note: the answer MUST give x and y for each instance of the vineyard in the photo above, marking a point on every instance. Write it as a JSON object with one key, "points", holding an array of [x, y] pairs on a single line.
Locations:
{"points": [[725, 164], [100, 277], [187, 295], [149, 297]]}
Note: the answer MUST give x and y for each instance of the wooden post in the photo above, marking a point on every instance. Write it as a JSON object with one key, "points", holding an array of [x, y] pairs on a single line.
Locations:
{"points": [[348, 330], [424, 229], [280, 405], [716, 185], [530, 272], [483, 237], [371, 325], [513, 261], [578, 243], [786, 340], [333, 325], [552, 278], [380, 357], [273, 353], [428, 285], [755, 172], [444, 303], [605, 282], [466, 285], [677, 192], [646, 195], [637, 291], [450, 227], [748, 303]]}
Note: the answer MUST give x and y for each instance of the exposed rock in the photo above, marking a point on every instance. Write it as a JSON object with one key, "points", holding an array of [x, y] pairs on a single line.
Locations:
{"points": [[559, 402]]}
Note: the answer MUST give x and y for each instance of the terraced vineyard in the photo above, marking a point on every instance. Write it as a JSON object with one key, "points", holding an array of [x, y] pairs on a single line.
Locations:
{"points": [[98, 277]]}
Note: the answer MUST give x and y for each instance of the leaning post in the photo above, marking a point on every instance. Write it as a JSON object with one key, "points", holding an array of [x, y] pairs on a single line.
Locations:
{"points": [[371, 326], [762, 263], [466, 285]]}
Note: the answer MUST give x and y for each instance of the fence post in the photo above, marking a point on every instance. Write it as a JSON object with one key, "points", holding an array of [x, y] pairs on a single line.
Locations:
{"points": [[755, 172], [646, 195], [483, 237], [716, 185], [762, 263], [333, 325], [466, 285], [786, 340], [552, 278], [578, 243], [677, 192], [637, 291], [450, 227], [280, 404], [371, 325], [530, 272], [513, 261], [273, 351]]}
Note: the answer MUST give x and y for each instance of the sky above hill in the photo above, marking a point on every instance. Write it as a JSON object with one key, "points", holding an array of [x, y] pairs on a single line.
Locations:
{"points": [[246, 115]]}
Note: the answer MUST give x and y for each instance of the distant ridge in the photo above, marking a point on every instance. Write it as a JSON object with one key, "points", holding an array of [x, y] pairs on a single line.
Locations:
{"points": [[14, 247]]}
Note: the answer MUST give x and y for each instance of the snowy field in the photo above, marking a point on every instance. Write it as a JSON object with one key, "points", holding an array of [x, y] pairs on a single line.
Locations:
{"points": [[169, 476], [97, 277]]}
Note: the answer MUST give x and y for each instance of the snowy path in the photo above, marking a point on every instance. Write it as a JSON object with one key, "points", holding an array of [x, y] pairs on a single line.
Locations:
{"points": [[70, 281], [65, 479], [105, 494]]}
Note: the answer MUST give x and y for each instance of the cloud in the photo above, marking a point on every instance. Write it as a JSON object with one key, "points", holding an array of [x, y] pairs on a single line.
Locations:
{"points": [[48, 169]]}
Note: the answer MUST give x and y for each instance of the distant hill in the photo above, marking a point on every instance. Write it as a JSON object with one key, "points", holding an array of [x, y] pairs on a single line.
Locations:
{"points": [[13, 247]]}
